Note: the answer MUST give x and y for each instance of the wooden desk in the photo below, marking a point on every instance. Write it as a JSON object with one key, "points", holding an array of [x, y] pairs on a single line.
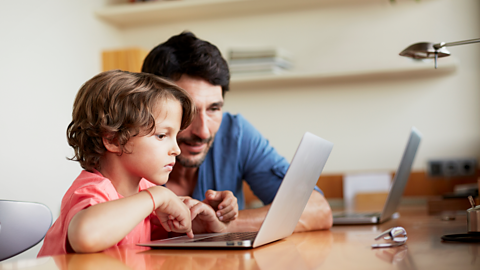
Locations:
{"points": [[342, 247]]}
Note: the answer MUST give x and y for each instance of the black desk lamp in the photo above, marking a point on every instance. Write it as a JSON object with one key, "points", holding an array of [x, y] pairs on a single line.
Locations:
{"points": [[424, 50]]}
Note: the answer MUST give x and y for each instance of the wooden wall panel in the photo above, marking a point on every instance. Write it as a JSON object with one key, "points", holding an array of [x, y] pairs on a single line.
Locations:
{"points": [[419, 184], [331, 185], [129, 59]]}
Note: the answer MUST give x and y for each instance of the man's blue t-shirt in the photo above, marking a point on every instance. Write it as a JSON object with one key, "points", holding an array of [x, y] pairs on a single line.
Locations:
{"points": [[239, 152]]}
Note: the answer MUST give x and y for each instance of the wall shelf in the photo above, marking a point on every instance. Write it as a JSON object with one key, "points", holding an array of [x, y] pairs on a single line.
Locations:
{"points": [[167, 11], [156, 12], [409, 69]]}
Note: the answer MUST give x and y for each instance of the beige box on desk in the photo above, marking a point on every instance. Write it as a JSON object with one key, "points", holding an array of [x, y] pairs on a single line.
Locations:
{"points": [[370, 201]]}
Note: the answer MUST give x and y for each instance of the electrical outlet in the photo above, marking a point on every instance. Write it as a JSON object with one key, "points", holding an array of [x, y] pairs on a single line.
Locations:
{"points": [[454, 167]]}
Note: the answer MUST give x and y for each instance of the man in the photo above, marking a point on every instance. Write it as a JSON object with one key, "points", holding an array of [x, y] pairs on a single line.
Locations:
{"points": [[219, 150]]}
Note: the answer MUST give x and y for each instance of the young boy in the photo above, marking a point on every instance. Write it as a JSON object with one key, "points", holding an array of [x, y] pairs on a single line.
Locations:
{"points": [[123, 132]]}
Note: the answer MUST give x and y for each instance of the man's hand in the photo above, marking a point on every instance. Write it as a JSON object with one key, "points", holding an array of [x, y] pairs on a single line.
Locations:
{"points": [[204, 219], [224, 203]]}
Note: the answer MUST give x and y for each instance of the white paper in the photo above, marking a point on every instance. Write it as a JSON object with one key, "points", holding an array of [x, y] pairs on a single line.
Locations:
{"points": [[363, 182]]}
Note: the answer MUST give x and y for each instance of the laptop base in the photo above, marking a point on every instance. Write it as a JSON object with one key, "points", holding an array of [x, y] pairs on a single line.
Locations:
{"points": [[359, 218]]}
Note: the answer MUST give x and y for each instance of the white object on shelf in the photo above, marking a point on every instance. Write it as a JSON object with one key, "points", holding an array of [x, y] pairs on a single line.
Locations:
{"points": [[273, 65], [363, 183], [254, 60], [258, 53]]}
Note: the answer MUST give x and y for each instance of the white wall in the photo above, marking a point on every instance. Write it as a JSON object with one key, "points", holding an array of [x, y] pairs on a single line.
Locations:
{"points": [[368, 120], [48, 49]]}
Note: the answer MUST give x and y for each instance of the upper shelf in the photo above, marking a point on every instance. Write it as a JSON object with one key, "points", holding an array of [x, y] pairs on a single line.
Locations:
{"points": [[143, 13], [408, 69]]}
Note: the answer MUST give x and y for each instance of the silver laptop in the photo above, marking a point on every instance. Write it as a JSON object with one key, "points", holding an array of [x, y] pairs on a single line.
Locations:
{"points": [[396, 190], [285, 210]]}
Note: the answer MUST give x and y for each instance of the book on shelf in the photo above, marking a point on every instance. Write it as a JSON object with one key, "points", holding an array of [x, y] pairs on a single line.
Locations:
{"points": [[259, 60], [265, 70], [261, 52], [256, 68], [136, 1]]}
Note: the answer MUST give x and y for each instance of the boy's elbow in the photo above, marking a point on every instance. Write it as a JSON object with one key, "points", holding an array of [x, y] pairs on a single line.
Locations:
{"points": [[83, 246], [81, 238]]}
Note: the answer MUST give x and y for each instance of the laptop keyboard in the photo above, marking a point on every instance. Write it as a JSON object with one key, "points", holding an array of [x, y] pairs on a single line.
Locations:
{"points": [[230, 237]]}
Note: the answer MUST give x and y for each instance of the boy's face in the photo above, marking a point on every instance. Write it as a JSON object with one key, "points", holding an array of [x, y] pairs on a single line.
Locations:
{"points": [[152, 156]]}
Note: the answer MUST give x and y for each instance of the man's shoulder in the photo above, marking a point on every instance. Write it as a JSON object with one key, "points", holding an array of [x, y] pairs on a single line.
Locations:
{"points": [[237, 134], [234, 124], [230, 119]]}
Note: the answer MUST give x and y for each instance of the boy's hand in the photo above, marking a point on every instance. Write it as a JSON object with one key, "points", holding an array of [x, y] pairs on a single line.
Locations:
{"points": [[224, 203], [204, 219], [173, 214]]}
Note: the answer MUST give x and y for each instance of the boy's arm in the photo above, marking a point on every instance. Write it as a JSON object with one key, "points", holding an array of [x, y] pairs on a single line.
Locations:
{"points": [[101, 226], [317, 215]]}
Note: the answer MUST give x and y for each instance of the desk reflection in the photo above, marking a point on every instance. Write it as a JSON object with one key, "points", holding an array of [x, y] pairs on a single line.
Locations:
{"points": [[397, 256], [341, 247], [299, 251]]}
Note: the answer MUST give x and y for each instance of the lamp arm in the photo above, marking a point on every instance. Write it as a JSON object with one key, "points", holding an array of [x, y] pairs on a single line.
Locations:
{"points": [[443, 44]]}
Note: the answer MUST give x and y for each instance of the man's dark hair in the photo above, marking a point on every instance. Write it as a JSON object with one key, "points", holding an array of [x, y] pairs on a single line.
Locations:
{"points": [[186, 54]]}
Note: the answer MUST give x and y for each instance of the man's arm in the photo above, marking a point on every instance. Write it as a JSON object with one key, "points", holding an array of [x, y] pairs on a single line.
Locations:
{"points": [[316, 216]]}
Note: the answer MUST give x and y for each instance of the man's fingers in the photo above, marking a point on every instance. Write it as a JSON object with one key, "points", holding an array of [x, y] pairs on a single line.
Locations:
{"points": [[212, 195], [183, 198], [189, 202], [228, 201], [224, 202], [225, 210], [228, 216], [204, 212]]}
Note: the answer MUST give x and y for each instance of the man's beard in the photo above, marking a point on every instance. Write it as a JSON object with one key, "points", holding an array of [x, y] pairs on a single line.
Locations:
{"points": [[197, 160]]}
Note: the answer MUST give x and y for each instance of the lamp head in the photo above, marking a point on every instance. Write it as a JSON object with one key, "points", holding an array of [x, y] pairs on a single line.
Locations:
{"points": [[424, 50]]}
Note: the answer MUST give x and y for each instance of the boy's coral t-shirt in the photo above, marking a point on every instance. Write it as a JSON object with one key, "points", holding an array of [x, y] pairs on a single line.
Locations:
{"points": [[87, 190]]}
